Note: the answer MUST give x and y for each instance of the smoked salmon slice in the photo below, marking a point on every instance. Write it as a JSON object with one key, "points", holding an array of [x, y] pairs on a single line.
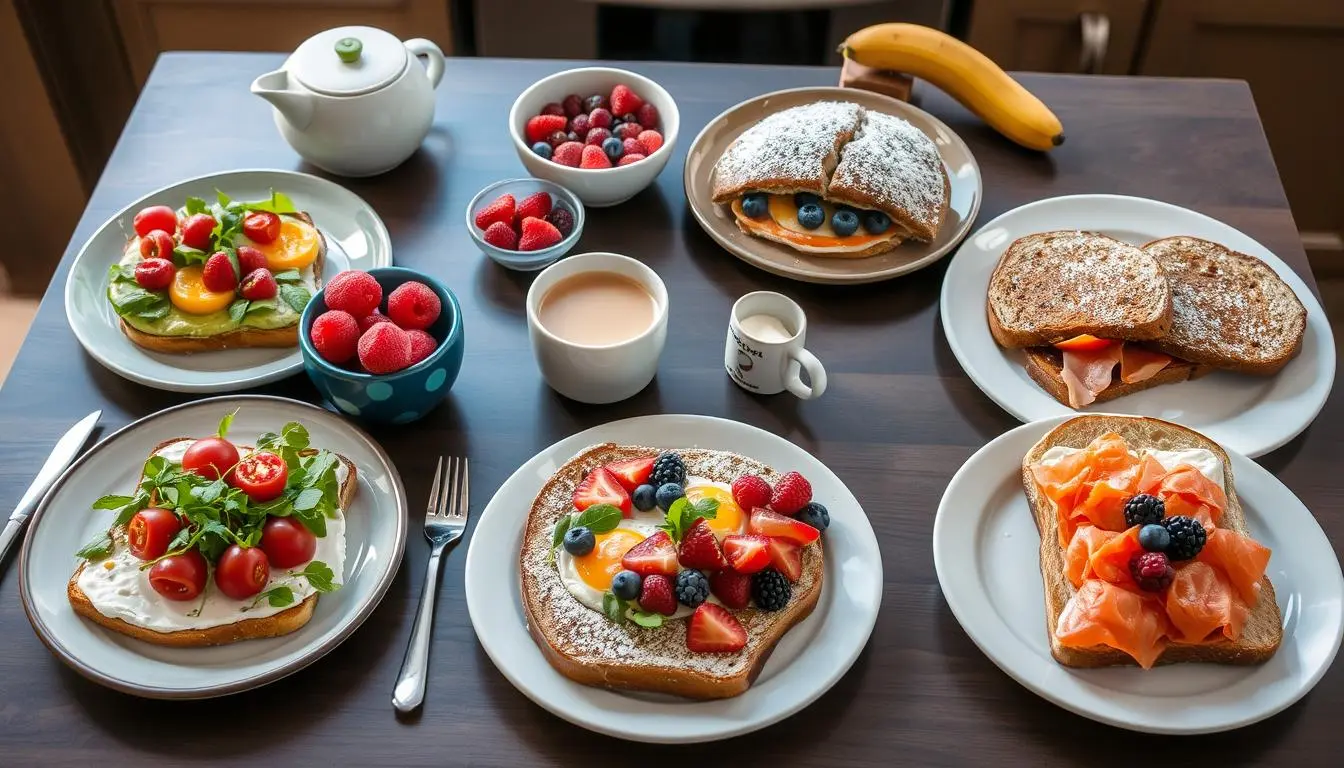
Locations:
{"points": [[1201, 601], [1077, 558], [1110, 562], [1101, 613], [1188, 483], [1241, 558]]}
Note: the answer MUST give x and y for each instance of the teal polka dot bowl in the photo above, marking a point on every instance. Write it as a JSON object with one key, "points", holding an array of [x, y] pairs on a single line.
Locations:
{"points": [[394, 398]]}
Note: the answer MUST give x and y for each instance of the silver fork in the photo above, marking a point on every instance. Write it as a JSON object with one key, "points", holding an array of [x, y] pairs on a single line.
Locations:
{"points": [[445, 520]]}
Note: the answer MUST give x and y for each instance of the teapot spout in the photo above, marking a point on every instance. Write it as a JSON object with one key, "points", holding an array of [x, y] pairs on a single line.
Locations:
{"points": [[295, 104]]}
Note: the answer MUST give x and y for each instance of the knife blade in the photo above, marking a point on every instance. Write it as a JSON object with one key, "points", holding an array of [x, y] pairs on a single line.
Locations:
{"points": [[67, 448]]}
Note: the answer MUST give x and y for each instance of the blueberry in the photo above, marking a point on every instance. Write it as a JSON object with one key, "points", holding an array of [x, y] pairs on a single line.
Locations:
{"points": [[756, 206], [595, 101], [626, 584], [815, 515], [804, 198], [811, 216], [615, 123], [543, 149], [645, 498], [845, 223], [571, 136], [579, 541], [668, 493], [613, 147], [1154, 538], [876, 222]]}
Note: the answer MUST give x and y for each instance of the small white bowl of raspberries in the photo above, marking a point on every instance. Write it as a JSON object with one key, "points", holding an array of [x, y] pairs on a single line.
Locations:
{"points": [[602, 132]]}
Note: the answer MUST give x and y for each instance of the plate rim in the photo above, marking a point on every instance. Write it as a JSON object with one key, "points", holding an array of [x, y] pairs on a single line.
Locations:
{"points": [[241, 378], [310, 655], [863, 278]]}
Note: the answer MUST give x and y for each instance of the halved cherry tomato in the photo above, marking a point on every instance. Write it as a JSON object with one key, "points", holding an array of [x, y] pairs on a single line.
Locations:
{"points": [[261, 226], [196, 231], [242, 571], [155, 217], [1083, 343], [262, 476], [210, 457], [150, 530], [156, 245], [179, 577], [287, 542]]}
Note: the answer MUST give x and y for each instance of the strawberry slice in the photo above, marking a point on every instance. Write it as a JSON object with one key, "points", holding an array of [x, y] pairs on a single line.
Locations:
{"points": [[601, 487], [747, 553], [787, 558], [656, 554], [714, 630], [732, 588], [700, 549], [632, 473], [775, 525]]}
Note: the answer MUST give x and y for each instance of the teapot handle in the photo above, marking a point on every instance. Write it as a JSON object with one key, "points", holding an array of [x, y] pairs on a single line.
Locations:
{"points": [[434, 68]]}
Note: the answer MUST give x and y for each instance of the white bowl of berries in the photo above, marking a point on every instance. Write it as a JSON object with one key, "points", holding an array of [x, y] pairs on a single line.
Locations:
{"points": [[602, 132]]}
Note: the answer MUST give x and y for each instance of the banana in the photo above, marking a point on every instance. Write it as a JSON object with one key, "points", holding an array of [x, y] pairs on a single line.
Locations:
{"points": [[965, 73]]}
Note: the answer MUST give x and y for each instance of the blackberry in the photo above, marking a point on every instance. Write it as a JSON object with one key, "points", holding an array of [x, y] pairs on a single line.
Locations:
{"points": [[1152, 571], [562, 220], [1187, 537], [770, 590], [668, 468], [1144, 509], [692, 588]]}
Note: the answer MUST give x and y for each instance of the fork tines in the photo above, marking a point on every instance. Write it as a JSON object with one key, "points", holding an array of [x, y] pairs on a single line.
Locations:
{"points": [[449, 498]]}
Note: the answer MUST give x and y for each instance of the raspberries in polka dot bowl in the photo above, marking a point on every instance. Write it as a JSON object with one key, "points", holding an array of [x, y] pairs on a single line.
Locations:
{"points": [[392, 370], [596, 166], [525, 224]]}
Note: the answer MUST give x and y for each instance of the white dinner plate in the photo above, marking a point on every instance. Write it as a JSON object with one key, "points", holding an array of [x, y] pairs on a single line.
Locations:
{"points": [[809, 659], [375, 537], [1250, 414], [356, 239], [987, 554]]}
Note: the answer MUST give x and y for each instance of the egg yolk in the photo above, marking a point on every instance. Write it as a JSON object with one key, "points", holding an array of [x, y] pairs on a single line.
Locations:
{"points": [[295, 248], [189, 294], [728, 520], [597, 568]]}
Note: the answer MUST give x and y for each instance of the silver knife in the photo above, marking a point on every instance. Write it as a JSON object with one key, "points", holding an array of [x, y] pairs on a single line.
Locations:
{"points": [[67, 448]]}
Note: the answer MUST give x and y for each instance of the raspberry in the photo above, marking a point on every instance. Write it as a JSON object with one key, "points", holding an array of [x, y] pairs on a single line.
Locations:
{"points": [[541, 126], [569, 153], [750, 492], [624, 100], [413, 305], [655, 595], [580, 125], [632, 147], [384, 348], [500, 210], [626, 131], [732, 588], [634, 157], [156, 274], [538, 234], [790, 494], [373, 318], [600, 118], [259, 285], [501, 235], [647, 115], [250, 259], [355, 292], [594, 157], [553, 109], [573, 105], [651, 140], [1152, 571], [534, 206], [596, 136], [218, 274], [422, 345], [562, 220], [335, 335]]}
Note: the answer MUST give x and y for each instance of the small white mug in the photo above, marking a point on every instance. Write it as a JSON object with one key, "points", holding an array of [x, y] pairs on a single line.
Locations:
{"points": [[764, 352]]}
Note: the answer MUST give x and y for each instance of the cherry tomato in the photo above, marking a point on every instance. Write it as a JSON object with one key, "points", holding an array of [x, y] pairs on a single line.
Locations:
{"points": [[179, 577], [155, 217], [156, 245], [196, 231], [155, 274], [150, 530], [287, 542], [250, 259], [242, 571], [262, 476], [1083, 343], [261, 226], [210, 456]]}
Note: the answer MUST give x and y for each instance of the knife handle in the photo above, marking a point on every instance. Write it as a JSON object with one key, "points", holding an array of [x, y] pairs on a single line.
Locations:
{"points": [[9, 535]]}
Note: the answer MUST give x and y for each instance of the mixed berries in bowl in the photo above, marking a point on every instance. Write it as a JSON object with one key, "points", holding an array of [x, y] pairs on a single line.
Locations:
{"points": [[525, 224], [384, 345]]}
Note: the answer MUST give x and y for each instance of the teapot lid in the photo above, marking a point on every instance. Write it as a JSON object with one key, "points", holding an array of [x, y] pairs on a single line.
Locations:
{"points": [[348, 61]]}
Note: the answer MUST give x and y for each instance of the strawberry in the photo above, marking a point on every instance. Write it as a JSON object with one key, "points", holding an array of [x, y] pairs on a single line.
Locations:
{"points": [[787, 558], [747, 553], [218, 274], [594, 157], [714, 630], [600, 118], [777, 526], [602, 487], [655, 554], [624, 100], [538, 234], [791, 494], [500, 210], [541, 126], [537, 206], [731, 587], [632, 147], [647, 116], [651, 140], [632, 472], [655, 595], [568, 153], [699, 548], [630, 159], [751, 491], [501, 235]]}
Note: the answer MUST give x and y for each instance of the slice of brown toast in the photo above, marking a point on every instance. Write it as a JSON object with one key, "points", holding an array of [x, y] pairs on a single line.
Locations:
{"points": [[237, 339], [583, 645], [275, 625], [1045, 365], [1263, 632], [1052, 286], [1229, 310]]}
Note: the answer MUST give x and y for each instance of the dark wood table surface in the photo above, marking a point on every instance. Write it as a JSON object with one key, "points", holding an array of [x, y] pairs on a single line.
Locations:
{"points": [[898, 419]]}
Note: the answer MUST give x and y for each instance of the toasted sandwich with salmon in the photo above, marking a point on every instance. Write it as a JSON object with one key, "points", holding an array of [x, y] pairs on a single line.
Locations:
{"points": [[1098, 318]]}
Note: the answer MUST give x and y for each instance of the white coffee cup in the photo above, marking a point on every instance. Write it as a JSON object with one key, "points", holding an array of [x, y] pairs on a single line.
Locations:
{"points": [[764, 352], [598, 374]]}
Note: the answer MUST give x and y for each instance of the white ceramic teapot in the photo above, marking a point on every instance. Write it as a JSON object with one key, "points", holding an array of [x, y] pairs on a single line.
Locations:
{"points": [[355, 101]]}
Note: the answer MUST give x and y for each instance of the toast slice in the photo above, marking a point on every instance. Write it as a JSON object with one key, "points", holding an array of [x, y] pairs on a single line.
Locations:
{"points": [[289, 620], [891, 166], [586, 647], [1045, 365], [790, 151], [1263, 632], [1052, 286], [236, 339], [1229, 310]]}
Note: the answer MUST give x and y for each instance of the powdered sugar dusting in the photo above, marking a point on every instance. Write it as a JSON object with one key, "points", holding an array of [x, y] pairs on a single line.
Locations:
{"points": [[789, 145], [898, 167]]}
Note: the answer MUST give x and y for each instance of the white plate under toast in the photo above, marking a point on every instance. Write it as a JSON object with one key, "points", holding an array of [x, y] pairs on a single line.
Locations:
{"points": [[356, 239], [375, 537], [1250, 414], [807, 661], [986, 552]]}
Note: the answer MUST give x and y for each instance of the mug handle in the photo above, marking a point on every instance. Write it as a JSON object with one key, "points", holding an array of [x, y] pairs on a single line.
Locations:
{"points": [[434, 67], [794, 383]]}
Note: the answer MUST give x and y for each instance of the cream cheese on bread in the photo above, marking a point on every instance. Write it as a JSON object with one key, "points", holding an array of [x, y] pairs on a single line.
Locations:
{"points": [[1208, 464]]}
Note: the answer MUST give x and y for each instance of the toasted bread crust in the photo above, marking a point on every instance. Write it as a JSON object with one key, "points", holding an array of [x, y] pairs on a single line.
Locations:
{"points": [[1045, 365], [1263, 632]]}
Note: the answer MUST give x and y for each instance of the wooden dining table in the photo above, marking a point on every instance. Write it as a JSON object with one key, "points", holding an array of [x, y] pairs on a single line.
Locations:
{"points": [[897, 421]]}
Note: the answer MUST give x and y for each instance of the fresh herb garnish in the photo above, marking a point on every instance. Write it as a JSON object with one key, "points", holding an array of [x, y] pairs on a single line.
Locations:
{"points": [[598, 518], [618, 611], [97, 549], [683, 514]]}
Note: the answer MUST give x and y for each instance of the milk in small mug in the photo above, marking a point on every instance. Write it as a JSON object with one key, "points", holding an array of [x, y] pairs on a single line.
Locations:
{"points": [[764, 351]]}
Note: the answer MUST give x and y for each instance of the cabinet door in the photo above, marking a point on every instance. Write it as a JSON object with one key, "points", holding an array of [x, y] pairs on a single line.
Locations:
{"points": [[1292, 54], [1048, 35]]}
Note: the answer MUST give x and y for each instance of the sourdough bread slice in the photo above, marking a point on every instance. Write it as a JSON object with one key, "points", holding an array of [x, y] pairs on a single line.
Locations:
{"points": [[1045, 365]]}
